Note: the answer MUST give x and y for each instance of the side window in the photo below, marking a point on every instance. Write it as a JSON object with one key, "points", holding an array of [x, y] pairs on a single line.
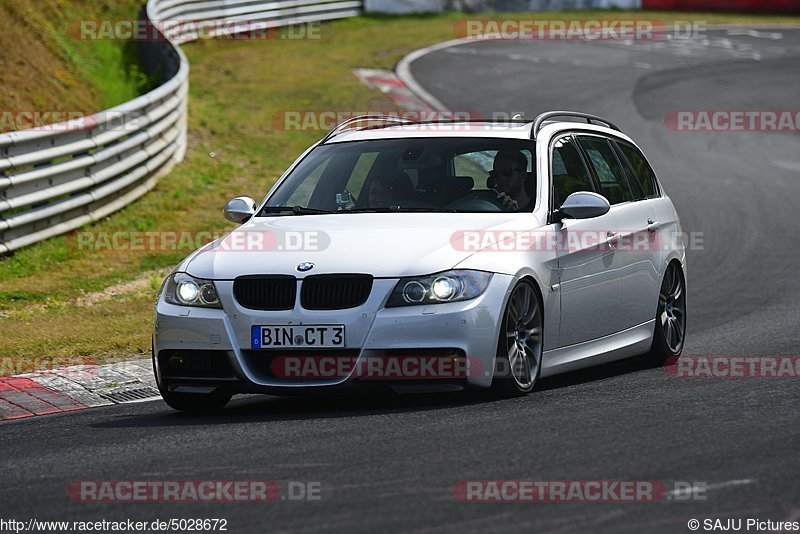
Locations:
{"points": [[642, 172], [568, 170], [610, 176]]}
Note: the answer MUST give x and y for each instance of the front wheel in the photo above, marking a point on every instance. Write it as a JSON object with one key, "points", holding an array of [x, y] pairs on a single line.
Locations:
{"points": [[670, 330], [519, 350], [195, 402]]}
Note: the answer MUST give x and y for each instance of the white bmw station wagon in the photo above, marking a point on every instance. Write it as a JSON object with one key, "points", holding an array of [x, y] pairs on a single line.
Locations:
{"points": [[431, 257]]}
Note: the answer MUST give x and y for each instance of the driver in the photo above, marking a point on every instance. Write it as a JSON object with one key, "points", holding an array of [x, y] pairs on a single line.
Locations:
{"points": [[511, 180]]}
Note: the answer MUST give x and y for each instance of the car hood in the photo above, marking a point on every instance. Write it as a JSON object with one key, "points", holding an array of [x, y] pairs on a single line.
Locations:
{"points": [[380, 244]]}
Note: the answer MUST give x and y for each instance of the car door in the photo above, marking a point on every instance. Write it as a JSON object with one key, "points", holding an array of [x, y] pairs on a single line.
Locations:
{"points": [[641, 280], [634, 239], [588, 284]]}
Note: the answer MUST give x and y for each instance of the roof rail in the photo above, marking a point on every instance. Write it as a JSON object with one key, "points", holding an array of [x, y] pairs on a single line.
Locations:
{"points": [[539, 122], [339, 128]]}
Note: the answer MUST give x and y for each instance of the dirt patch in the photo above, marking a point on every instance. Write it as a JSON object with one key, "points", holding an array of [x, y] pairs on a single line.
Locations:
{"points": [[142, 284]]}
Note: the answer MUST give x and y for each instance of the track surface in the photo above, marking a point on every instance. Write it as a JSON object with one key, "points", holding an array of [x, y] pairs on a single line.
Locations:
{"points": [[391, 464]]}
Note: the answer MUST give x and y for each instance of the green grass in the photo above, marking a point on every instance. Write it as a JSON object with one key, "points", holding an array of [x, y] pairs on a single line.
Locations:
{"points": [[236, 88], [58, 70], [110, 66]]}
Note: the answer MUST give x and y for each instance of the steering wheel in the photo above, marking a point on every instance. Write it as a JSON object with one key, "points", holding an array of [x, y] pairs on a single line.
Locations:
{"points": [[480, 200]]}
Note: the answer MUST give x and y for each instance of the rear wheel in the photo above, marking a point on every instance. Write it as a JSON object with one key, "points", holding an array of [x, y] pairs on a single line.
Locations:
{"points": [[670, 328], [519, 350]]}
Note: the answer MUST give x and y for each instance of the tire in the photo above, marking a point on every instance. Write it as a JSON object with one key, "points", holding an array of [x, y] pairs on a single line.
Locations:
{"points": [[518, 362], [670, 328], [189, 402], [195, 402]]}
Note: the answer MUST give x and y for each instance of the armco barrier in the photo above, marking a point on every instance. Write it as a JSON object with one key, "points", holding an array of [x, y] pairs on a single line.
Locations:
{"points": [[54, 179]]}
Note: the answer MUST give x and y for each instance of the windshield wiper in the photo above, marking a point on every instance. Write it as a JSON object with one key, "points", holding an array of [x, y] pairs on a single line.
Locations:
{"points": [[300, 210], [432, 210], [296, 210], [398, 209]]}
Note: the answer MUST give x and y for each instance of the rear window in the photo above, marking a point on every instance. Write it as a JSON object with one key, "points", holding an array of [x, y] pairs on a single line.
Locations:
{"points": [[640, 170]]}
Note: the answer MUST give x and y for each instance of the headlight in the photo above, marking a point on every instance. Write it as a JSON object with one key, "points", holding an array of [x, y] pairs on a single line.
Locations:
{"points": [[450, 286], [185, 290]]}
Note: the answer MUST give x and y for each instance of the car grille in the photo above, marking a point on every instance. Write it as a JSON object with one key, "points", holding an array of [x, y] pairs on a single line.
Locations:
{"points": [[335, 291], [266, 292]]}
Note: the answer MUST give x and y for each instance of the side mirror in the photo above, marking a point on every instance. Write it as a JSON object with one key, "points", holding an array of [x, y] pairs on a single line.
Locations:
{"points": [[240, 209], [584, 205]]}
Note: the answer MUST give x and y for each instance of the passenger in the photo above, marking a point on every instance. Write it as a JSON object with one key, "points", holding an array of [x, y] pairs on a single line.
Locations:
{"points": [[386, 191]]}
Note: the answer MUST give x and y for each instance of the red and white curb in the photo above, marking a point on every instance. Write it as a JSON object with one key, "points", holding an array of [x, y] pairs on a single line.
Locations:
{"points": [[76, 388], [390, 84]]}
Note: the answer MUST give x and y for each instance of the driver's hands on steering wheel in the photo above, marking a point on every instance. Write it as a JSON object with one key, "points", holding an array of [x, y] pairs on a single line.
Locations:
{"points": [[508, 202]]}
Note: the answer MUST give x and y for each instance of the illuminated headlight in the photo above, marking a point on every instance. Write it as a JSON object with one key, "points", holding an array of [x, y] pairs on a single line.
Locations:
{"points": [[445, 288], [185, 290], [450, 286]]}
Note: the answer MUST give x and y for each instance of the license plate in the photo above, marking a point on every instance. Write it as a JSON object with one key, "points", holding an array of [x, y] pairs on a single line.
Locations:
{"points": [[297, 336]]}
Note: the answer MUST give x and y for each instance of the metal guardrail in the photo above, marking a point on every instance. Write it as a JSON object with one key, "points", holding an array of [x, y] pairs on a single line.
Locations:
{"points": [[57, 178], [247, 12]]}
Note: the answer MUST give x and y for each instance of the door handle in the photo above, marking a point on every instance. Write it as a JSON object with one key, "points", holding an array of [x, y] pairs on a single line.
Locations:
{"points": [[613, 238], [652, 225]]}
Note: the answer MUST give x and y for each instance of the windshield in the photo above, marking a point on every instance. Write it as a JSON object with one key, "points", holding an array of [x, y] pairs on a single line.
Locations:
{"points": [[396, 175]]}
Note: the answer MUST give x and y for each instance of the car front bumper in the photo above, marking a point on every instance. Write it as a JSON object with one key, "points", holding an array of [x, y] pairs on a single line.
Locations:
{"points": [[203, 350]]}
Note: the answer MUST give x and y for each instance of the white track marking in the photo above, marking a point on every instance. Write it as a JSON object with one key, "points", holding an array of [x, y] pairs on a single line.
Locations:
{"points": [[755, 33], [727, 484]]}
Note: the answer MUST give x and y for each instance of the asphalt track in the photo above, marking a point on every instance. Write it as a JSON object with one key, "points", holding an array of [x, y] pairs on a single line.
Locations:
{"points": [[391, 464]]}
